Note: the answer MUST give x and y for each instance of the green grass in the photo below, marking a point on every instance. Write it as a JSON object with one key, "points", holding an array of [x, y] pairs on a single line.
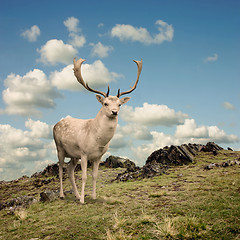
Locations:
{"points": [[186, 203]]}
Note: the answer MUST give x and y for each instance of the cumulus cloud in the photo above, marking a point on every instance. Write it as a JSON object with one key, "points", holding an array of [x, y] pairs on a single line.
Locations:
{"points": [[39, 129], [95, 74], [20, 149], [136, 131], [56, 51], [100, 50], [229, 106], [211, 58], [128, 32], [72, 25], [152, 115], [125, 135], [31, 34], [77, 41], [24, 95], [190, 131]]}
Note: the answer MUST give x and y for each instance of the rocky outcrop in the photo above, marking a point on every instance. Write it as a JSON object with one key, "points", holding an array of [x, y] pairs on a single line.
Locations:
{"points": [[147, 171], [211, 147], [50, 171], [179, 155], [22, 201], [174, 155], [118, 162], [159, 161], [111, 162], [224, 164]]}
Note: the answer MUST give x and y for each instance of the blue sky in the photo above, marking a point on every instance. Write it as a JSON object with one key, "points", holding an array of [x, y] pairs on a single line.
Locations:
{"points": [[188, 91]]}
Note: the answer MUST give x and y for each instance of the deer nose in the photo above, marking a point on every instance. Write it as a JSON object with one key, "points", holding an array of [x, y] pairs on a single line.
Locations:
{"points": [[114, 112]]}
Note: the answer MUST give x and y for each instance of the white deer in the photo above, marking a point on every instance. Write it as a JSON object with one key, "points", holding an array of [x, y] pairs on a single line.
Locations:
{"points": [[88, 139]]}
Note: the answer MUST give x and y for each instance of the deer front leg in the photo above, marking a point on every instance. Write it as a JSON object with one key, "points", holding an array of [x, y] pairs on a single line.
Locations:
{"points": [[61, 162], [71, 167], [94, 176], [84, 176]]}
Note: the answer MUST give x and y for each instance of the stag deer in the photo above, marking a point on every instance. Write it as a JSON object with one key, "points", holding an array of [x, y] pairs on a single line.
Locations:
{"points": [[88, 139]]}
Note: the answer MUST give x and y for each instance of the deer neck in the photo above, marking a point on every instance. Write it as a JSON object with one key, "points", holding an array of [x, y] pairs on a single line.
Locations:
{"points": [[104, 128]]}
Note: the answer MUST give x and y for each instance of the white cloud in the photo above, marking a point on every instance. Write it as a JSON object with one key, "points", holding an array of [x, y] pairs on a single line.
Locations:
{"points": [[40, 165], [219, 136], [56, 51], [39, 129], [72, 24], [229, 106], [126, 135], [136, 131], [211, 58], [189, 129], [22, 150], [65, 79], [100, 50], [31, 34], [203, 134], [152, 114], [96, 75], [25, 94], [128, 32], [77, 41]]}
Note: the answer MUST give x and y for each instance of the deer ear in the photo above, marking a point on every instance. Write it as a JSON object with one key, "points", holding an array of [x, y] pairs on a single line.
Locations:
{"points": [[124, 100], [100, 98]]}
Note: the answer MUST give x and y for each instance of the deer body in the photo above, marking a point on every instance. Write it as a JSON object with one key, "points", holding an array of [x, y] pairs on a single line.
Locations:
{"points": [[87, 140]]}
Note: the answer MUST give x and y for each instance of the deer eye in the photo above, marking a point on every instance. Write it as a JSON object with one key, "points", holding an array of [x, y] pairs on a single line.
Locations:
{"points": [[105, 104], [119, 105]]}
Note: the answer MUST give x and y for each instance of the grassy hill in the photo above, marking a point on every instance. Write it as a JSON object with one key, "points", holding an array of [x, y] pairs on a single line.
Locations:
{"points": [[188, 202]]}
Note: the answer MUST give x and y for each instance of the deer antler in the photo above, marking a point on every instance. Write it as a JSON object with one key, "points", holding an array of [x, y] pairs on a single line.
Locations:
{"points": [[139, 65], [77, 72]]}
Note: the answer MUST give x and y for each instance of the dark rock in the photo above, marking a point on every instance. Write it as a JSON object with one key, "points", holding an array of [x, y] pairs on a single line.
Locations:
{"points": [[215, 152], [50, 170], [230, 149], [210, 147], [38, 182], [211, 166], [48, 196], [129, 174], [224, 164], [174, 155], [23, 201], [153, 169], [51, 195], [117, 162]]}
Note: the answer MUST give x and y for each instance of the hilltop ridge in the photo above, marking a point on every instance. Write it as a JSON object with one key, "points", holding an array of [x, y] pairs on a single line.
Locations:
{"points": [[191, 201]]}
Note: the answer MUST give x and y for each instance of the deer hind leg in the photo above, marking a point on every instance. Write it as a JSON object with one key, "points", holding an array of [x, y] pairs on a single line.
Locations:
{"points": [[94, 177], [71, 167], [61, 158]]}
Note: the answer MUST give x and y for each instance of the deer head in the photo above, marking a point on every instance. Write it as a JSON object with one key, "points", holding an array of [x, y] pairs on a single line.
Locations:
{"points": [[110, 104]]}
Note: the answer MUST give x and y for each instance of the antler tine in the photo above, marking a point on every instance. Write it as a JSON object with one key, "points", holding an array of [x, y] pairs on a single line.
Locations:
{"points": [[77, 72], [139, 65]]}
